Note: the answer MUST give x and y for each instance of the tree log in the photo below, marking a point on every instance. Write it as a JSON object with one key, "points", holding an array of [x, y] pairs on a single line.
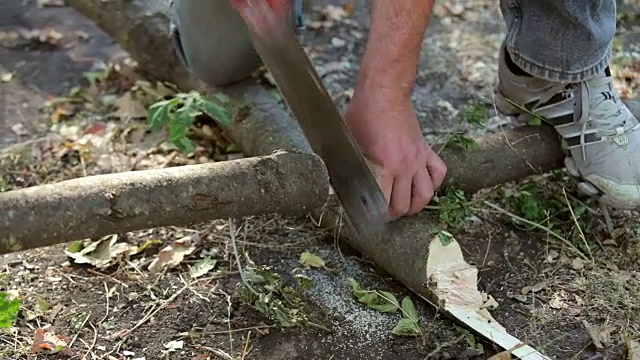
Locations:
{"points": [[95, 206]]}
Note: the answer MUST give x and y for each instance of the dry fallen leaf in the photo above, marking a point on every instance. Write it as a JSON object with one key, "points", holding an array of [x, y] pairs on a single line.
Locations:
{"points": [[534, 289], [46, 339], [600, 336], [633, 350], [558, 301], [102, 253], [577, 264], [174, 253], [5, 77], [19, 129], [61, 112], [552, 256], [129, 108]]}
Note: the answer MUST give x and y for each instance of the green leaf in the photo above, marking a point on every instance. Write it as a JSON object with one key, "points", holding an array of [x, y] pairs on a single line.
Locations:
{"points": [[476, 114], [186, 145], [304, 281], [382, 301], [388, 303], [409, 310], [309, 260], [384, 308], [75, 246], [536, 121], [9, 308], [146, 245], [203, 266], [179, 127], [463, 141], [355, 286], [158, 114], [446, 237], [368, 298], [406, 327], [217, 112]]}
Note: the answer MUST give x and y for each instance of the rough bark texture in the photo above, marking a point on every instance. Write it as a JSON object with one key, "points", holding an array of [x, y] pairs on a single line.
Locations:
{"points": [[287, 183], [402, 250]]}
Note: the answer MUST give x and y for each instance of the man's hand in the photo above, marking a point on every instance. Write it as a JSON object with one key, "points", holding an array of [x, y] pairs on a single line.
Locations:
{"points": [[381, 116], [388, 133]]}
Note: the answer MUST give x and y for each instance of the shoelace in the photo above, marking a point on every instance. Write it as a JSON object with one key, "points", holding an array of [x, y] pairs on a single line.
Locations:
{"points": [[608, 113]]}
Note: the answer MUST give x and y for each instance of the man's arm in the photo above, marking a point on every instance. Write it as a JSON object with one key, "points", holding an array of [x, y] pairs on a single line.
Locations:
{"points": [[393, 46], [381, 116]]}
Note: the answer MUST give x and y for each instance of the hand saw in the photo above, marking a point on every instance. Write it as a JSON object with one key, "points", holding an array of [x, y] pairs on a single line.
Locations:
{"points": [[269, 22]]}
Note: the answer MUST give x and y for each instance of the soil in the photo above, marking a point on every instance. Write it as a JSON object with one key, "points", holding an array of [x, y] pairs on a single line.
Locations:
{"points": [[95, 307]]}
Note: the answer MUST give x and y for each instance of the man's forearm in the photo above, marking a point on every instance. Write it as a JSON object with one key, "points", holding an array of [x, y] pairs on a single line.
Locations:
{"points": [[393, 46]]}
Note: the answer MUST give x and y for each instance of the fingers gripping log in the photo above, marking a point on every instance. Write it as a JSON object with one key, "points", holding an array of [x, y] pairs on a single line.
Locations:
{"points": [[95, 206]]}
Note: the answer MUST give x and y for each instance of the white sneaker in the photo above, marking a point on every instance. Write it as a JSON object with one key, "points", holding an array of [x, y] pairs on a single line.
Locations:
{"points": [[598, 132]]}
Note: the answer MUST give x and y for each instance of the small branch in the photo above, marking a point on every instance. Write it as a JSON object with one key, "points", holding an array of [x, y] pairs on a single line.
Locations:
{"points": [[287, 183]]}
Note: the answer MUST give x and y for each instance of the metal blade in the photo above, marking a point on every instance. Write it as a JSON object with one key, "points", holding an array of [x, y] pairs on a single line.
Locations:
{"points": [[296, 78]]}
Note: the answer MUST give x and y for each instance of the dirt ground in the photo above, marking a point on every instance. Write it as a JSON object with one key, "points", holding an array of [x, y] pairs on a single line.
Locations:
{"points": [[564, 282]]}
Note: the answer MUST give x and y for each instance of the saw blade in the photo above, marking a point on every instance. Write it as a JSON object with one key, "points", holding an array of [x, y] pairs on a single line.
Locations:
{"points": [[355, 185]]}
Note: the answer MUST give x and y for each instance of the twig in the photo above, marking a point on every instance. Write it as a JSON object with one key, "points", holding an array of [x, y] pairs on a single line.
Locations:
{"points": [[218, 352], [232, 235], [486, 253], [289, 246], [108, 277], [537, 226], [246, 350], [228, 298], [507, 139], [106, 294], [192, 290], [93, 343], [575, 221], [607, 218], [115, 349], [127, 332], [242, 329], [84, 166]]}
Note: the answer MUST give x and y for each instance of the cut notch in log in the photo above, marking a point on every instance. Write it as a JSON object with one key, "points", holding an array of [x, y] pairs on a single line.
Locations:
{"points": [[95, 206]]}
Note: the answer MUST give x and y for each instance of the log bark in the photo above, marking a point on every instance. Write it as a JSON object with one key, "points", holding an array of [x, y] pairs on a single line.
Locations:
{"points": [[95, 206]]}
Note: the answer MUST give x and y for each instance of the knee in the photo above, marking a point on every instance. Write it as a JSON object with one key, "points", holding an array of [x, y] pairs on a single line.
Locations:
{"points": [[212, 41]]}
